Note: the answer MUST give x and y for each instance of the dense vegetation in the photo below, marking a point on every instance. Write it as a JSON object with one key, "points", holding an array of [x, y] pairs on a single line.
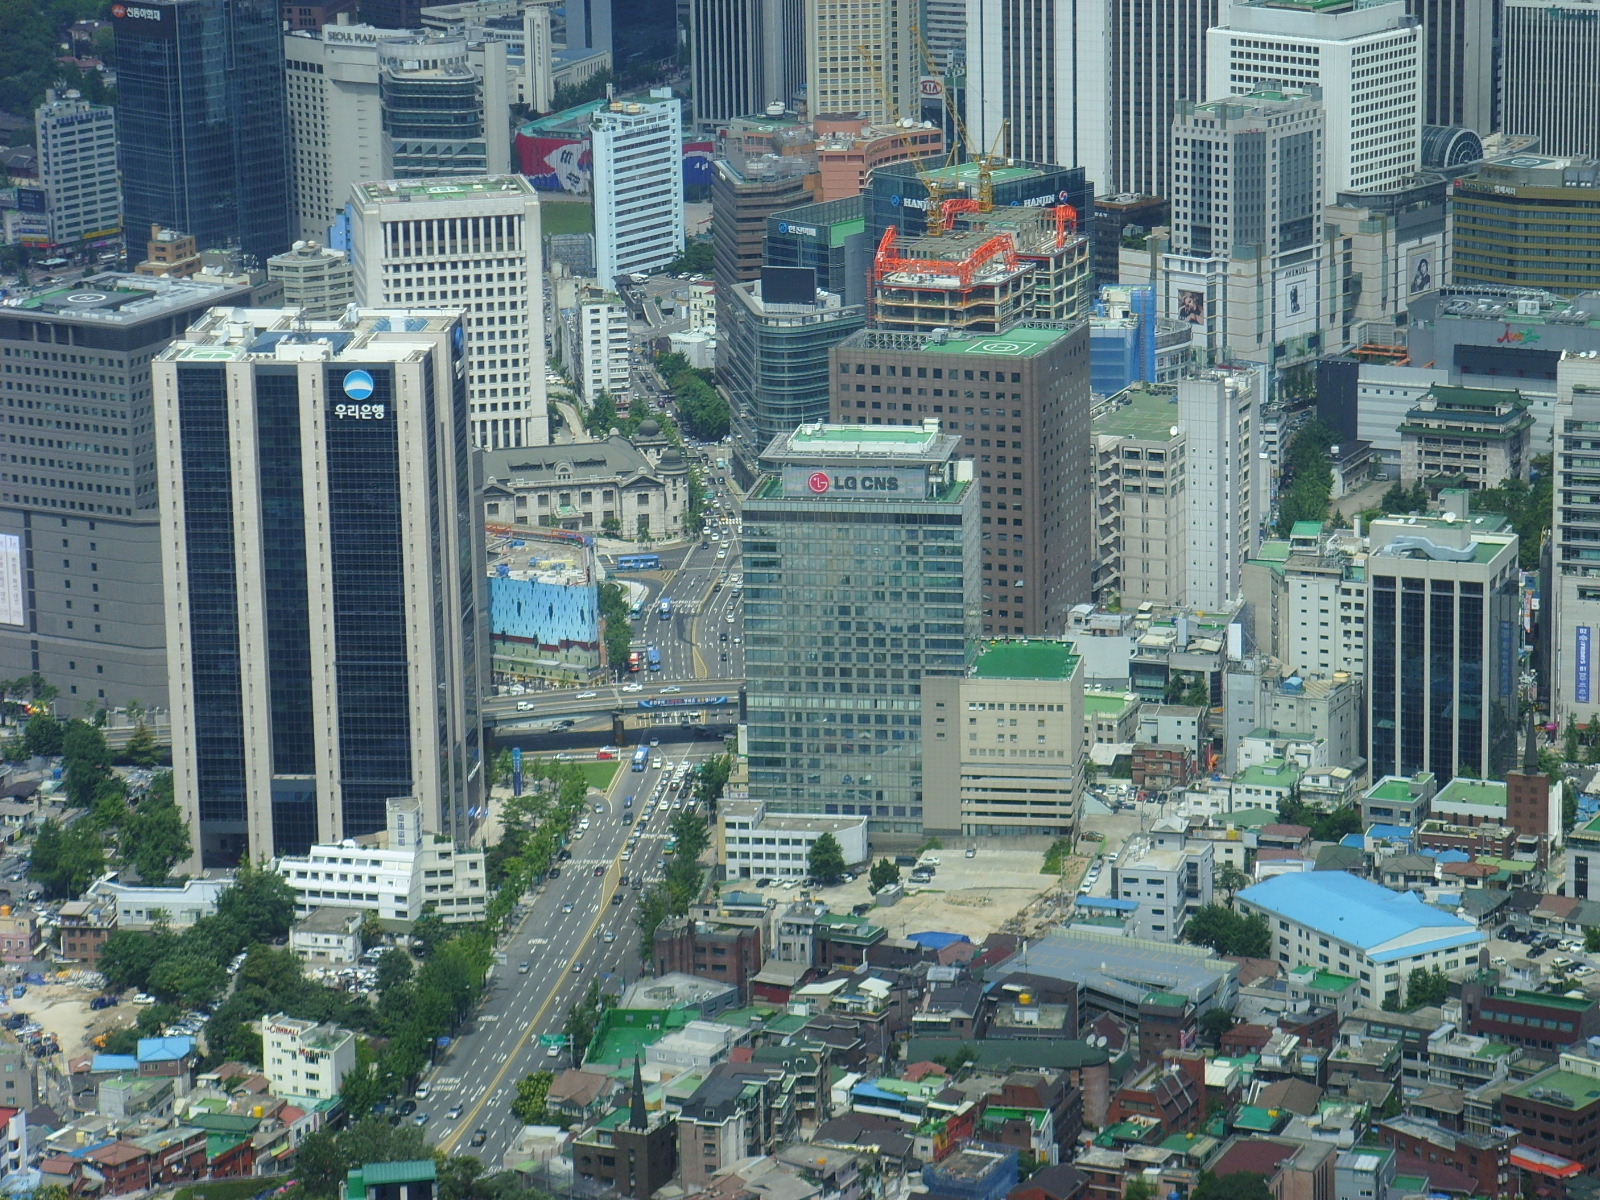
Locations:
{"points": [[703, 409], [681, 886], [31, 38], [1309, 477], [1228, 932], [619, 632], [534, 827]]}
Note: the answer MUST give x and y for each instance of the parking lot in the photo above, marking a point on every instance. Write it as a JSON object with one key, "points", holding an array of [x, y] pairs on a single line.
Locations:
{"points": [[1527, 957]]}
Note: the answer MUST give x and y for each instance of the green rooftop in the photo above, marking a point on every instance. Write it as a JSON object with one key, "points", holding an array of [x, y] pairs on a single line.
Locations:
{"points": [[443, 189], [358, 1179], [1273, 773], [1395, 791], [1255, 1119], [1306, 529], [1579, 1091], [1105, 703], [1140, 414], [1251, 818], [1548, 999], [967, 172], [1322, 981], [826, 437], [1165, 1000], [1017, 342], [1473, 793], [57, 296], [1025, 660]]}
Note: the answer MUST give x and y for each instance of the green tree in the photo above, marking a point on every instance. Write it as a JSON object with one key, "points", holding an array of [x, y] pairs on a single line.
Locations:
{"points": [[883, 873], [43, 735], [1215, 1022], [394, 968], [825, 859], [259, 903], [155, 837], [188, 979], [427, 932], [692, 833], [1308, 475], [142, 750], [1240, 1185], [1424, 987], [532, 1092], [86, 762], [618, 629], [1591, 940], [695, 260], [602, 415], [1228, 932], [1230, 878], [711, 780], [1569, 739], [65, 862], [1138, 1189]]}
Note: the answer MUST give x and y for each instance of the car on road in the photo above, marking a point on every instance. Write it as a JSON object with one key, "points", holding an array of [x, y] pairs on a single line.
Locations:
{"points": [[524, 706], [971, 852], [585, 695], [599, 871], [522, 967], [722, 554], [552, 1051], [407, 1108], [671, 691], [422, 1091], [420, 1119], [455, 1112], [616, 899], [480, 1136], [655, 742], [567, 907], [633, 687], [577, 967]]}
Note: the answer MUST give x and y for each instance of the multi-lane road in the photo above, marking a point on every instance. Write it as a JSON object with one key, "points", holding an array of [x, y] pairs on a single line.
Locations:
{"points": [[576, 928]]}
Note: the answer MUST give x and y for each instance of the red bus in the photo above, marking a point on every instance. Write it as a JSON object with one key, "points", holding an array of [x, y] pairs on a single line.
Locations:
{"points": [[635, 660]]}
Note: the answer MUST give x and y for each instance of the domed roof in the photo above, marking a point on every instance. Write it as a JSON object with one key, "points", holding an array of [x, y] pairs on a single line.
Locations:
{"points": [[671, 457], [649, 427]]}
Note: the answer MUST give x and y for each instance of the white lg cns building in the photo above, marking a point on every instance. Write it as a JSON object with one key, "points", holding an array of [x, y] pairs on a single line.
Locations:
{"points": [[1366, 59], [638, 186], [473, 245]]}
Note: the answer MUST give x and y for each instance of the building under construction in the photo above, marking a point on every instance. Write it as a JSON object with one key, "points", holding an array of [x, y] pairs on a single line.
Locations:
{"points": [[981, 272]]}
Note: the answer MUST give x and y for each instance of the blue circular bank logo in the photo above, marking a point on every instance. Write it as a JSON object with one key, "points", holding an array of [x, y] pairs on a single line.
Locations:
{"points": [[894, 201], [783, 227], [357, 385]]}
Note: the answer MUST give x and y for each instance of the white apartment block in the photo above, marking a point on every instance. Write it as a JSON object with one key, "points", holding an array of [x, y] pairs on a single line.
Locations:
{"points": [[1308, 602], [1093, 83], [1368, 61], [305, 1059], [1575, 543], [367, 103], [757, 844], [77, 148], [1550, 74], [1218, 413], [398, 879], [881, 81], [1167, 877], [595, 345], [637, 156], [471, 244]]}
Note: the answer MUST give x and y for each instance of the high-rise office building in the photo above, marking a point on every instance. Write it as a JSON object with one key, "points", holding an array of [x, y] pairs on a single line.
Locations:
{"points": [[637, 155], [367, 103], [80, 562], [830, 238], [861, 57], [472, 244], [325, 576], [859, 580], [77, 147], [1088, 83], [1219, 414], [775, 333], [1442, 633], [1018, 402], [1572, 625], [944, 25], [1550, 74], [1528, 221], [1247, 171], [744, 194], [743, 56], [1460, 62], [1366, 58], [202, 132]]}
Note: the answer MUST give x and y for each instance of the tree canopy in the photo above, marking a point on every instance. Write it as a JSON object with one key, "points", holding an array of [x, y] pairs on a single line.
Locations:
{"points": [[825, 859], [1228, 932]]}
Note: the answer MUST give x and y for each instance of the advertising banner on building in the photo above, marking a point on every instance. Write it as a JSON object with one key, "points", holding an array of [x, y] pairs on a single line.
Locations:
{"points": [[13, 606], [1580, 681]]}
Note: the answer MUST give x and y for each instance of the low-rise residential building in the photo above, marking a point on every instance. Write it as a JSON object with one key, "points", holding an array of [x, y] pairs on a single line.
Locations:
{"points": [[594, 342], [756, 844], [1109, 718], [413, 1180], [304, 1058], [1558, 1110], [84, 927], [397, 874], [1003, 745], [1345, 924], [178, 905], [1167, 877], [637, 488], [1533, 1020], [327, 936], [1399, 801]]}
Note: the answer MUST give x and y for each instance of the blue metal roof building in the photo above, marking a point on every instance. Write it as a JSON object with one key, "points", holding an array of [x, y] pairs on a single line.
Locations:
{"points": [[1340, 922]]}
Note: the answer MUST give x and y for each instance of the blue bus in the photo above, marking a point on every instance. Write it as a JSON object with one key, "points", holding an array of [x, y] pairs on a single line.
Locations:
{"points": [[638, 562], [666, 607], [641, 758], [654, 657]]}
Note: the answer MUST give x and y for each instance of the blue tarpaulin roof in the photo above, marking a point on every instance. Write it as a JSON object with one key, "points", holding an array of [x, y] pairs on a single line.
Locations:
{"points": [[934, 940]]}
